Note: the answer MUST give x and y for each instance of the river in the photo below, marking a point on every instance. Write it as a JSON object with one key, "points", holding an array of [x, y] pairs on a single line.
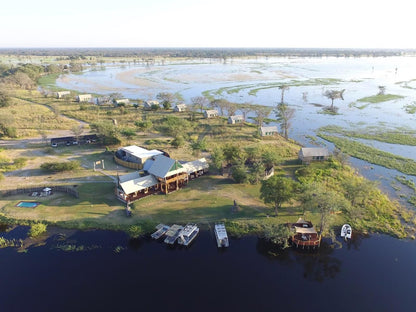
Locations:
{"points": [[113, 273]]}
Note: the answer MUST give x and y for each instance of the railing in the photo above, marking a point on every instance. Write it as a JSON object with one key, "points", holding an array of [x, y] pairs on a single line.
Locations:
{"points": [[58, 188]]}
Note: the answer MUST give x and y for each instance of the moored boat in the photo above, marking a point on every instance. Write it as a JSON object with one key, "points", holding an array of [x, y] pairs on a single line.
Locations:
{"points": [[161, 230], [188, 234], [221, 235], [172, 234], [346, 231]]}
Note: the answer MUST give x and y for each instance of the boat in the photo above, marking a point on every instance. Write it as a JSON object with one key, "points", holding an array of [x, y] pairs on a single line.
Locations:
{"points": [[172, 234], [304, 235], [161, 230], [346, 231], [221, 235], [188, 234]]}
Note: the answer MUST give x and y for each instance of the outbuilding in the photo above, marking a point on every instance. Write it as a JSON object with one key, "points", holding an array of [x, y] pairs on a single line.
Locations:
{"points": [[235, 119], [210, 113], [269, 131], [309, 154]]}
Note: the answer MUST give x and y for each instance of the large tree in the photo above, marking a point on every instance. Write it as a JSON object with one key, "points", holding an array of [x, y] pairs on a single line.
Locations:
{"points": [[166, 99], [283, 88], [277, 190], [262, 112], [199, 102], [284, 115], [333, 95]]}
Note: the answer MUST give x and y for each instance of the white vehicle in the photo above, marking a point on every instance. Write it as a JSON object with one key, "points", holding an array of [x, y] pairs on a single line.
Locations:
{"points": [[346, 231], [221, 235], [188, 234]]}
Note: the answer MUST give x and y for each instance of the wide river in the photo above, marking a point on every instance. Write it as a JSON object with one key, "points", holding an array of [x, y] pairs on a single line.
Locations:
{"points": [[113, 273]]}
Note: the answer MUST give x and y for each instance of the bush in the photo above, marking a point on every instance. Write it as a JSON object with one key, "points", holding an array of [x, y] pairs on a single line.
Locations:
{"points": [[59, 167], [37, 229], [135, 231]]}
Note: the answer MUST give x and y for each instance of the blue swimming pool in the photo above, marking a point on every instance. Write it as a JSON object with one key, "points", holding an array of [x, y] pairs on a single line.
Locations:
{"points": [[27, 204]]}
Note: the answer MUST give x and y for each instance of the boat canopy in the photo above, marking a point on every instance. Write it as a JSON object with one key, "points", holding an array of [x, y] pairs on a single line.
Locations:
{"points": [[303, 230]]}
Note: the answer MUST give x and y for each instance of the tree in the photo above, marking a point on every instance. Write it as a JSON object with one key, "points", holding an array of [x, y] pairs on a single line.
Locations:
{"points": [[245, 108], [262, 112], [277, 190], [326, 201], [230, 107], [217, 158], [166, 99], [221, 104], [283, 88], [382, 90], [284, 115], [77, 131], [333, 95], [199, 102]]}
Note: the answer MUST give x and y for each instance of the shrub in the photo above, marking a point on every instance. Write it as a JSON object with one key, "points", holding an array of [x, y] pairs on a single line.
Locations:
{"points": [[59, 167], [37, 229], [134, 231]]}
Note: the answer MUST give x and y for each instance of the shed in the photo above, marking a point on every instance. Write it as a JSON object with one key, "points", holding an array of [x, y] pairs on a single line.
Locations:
{"points": [[84, 98], [268, 131], [210, 113], [180, 108], [235, 119], [308, 154]]}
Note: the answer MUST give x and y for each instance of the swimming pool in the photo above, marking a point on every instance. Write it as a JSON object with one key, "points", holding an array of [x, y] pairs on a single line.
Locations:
{"points": [[26, 204]]}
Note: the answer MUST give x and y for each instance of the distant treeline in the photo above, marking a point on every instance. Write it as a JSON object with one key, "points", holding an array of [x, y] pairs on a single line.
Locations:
{"points": [[80, 53]]}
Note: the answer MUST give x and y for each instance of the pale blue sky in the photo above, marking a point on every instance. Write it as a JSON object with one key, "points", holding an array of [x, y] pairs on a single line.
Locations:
{"points": [[213, 23]]}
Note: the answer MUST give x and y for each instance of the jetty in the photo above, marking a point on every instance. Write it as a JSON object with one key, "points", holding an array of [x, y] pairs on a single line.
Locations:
{"points": [[172, 234], [161, 230], [304, 235]]}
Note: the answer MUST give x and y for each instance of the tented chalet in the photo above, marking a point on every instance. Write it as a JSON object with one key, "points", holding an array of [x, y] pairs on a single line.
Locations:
{"points": [[62, 94], [210, 113], [269, 131], [121, 102], [180, 108], [196, 168], [309, 154], [235, 119], [84, 98], [149, 104]]}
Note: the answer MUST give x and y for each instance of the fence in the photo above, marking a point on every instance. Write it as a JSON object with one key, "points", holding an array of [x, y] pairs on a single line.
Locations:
{"points": [[127, 164], [27, 190]]}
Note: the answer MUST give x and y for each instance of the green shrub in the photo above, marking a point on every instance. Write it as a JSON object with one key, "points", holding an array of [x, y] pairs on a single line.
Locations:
{"points": [[37, 229], [135, 231], [59, 167]]}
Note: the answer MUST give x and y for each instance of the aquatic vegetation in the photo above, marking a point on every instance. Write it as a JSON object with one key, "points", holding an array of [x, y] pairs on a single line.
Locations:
{"points": [[410, 108], [382, 135], [379, 98], [404, 181], [75, 248], [372, 155], [4, 242]]}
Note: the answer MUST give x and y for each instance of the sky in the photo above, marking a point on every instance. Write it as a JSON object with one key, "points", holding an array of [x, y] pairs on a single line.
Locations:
{"points": [[212, 23]]}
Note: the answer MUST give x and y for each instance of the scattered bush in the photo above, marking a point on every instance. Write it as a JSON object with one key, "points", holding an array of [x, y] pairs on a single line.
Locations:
{"points": [[135, 231], [37, 229], [59, 167]]}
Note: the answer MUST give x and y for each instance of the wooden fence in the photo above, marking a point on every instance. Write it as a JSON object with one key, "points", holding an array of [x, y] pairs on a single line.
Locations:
{"points": [[27, 190], [127, 164]]}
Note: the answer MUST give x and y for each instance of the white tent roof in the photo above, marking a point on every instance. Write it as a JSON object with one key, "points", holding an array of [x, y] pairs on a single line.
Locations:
{"points": [[314, 151], [134, 185], [196, 165], [140, 152]]}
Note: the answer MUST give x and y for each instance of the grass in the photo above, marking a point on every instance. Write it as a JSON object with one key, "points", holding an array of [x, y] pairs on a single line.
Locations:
{"points": [[372, 155], [379, 98]]}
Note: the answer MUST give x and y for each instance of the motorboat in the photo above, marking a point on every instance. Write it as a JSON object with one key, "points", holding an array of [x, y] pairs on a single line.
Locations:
{"points": [[188, 234], [346, 231], [221, 235]]}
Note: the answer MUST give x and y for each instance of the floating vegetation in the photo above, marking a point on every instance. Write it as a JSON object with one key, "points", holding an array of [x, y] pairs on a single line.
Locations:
{"points": [[379, 98], [74, 247], [410, 108], [119, 249], [409, 183], [393, 137], [372, 155]]}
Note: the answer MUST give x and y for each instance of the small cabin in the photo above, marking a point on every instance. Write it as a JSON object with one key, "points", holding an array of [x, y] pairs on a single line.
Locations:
{"points": [[134, 156], [232, 120], [84, 98], [210, 113], [62, 94], [121, 102], [180, 108], [149, 104], [269, 131], [310, 154]]}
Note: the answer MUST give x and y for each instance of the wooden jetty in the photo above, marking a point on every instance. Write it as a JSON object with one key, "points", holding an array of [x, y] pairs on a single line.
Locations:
{"points": [[161, 230], [172, 234], [305, 235]]}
